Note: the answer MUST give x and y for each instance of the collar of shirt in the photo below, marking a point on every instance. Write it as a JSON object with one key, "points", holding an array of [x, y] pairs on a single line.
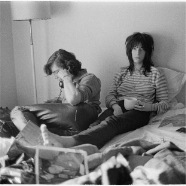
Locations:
{"points": [[140, 71]]}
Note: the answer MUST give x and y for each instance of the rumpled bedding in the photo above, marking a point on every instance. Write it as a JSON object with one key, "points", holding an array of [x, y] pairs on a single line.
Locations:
{"points": [[156, 164], [165, 166], [162, 161], [161, 128]]}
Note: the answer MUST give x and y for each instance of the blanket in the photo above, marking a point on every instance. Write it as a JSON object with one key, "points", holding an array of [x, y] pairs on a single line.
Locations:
{"points": [[158, 152], [167, 166], [147, 163]]}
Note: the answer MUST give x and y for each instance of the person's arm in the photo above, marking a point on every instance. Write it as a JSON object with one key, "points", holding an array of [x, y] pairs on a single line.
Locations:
{"points": [[111, 98], [72, 95], [89, 86], [162, 104], [70, 92]]}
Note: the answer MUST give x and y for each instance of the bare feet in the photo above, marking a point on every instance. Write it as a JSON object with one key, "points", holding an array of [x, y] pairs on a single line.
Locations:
{"points": [[52, 140], [56, 140], [18, 118], [48, 142], [71, 161], [48, 138]]}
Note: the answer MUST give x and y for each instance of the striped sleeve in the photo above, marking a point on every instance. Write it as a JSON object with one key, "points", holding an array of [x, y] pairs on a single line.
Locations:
{"points": [[111, 97], [161, 104]]}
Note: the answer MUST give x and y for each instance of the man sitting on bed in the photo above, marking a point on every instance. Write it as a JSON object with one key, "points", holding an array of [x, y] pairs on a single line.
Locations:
{"points": [[77, 105], [140, 80]]}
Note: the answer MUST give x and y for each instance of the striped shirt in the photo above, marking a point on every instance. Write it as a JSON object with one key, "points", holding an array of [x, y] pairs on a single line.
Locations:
{"points": [[150, 89]]}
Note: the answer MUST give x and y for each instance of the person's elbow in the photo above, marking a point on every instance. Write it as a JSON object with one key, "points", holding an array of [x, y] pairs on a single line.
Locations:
{"points": [[73, 102], [74, 99]]}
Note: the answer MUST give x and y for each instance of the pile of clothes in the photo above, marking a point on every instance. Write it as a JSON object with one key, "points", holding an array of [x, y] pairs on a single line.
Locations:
{"points": [[165, 166], [7, 128]]}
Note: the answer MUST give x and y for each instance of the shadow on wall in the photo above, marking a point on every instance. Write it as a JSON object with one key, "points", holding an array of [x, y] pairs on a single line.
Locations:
{"points": [[164, 50], [57, 8]]}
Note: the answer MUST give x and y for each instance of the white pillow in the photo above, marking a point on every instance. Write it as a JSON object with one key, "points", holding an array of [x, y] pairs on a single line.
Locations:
{"points": [[175, 81]]}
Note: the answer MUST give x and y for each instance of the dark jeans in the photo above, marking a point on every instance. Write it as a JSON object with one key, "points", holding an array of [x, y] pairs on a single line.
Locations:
{"points": [[61, 119], [111, 125]]}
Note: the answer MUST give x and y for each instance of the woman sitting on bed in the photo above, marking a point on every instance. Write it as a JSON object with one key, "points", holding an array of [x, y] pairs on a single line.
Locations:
{"points": [[77, 107], [140, 80]]}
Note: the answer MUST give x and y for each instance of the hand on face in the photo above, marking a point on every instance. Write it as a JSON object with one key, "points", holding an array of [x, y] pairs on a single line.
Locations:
{"points": [[60, 73], [63, 73]]}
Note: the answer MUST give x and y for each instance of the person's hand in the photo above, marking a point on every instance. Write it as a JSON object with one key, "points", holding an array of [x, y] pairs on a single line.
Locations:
{"points": [[64, 73], [117, 110], [142, 106]]}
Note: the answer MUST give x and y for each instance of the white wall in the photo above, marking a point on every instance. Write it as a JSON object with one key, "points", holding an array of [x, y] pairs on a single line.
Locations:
{"points": [[8, 93], [96, 33]]}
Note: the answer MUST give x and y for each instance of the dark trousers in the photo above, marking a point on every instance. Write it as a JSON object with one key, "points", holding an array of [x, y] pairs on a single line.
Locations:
{"points": [[61, 119], [111, 125]]}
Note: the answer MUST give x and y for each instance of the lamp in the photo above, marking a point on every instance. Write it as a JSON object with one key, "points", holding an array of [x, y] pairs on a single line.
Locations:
{"points": [[29, 11]]}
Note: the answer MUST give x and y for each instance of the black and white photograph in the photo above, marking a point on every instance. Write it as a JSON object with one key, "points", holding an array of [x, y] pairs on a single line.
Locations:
{"points": [[93, 92]]}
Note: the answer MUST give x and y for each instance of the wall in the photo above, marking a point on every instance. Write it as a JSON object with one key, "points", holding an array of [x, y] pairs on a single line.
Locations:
{"points": [[8, 92], [96, 33]]}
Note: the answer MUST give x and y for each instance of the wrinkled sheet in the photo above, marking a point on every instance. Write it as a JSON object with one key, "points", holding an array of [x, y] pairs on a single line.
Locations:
{"points": [[161, 128], [164, 162], [165, 167]]}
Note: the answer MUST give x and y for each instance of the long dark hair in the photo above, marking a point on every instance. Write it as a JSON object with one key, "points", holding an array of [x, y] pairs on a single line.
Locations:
{"points": [[65, 60], [147, 43]]}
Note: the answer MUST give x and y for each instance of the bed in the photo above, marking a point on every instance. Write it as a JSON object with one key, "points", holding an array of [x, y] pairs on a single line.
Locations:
{"points": [[160, 129], [163, 130], [163, 126]]}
